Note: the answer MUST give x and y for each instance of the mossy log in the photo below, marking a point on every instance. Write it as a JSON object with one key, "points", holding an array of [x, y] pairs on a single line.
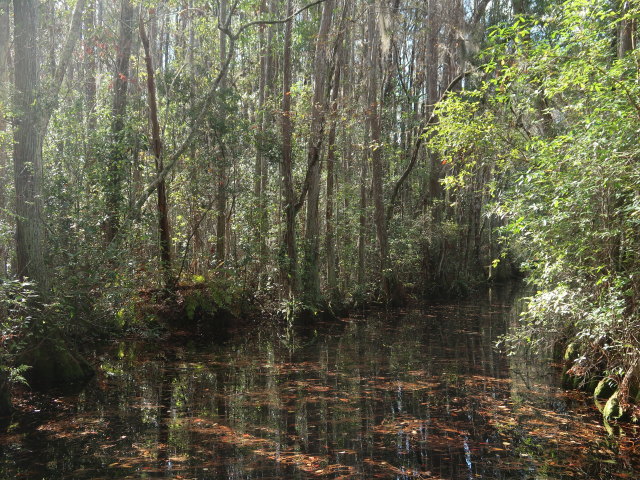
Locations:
{"points": [[571, 353], [605, 389], [53, 364], [612, 409], [622, 398]]}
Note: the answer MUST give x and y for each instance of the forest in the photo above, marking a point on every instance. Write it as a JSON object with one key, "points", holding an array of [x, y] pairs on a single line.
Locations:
{"points": [[193, 165]]}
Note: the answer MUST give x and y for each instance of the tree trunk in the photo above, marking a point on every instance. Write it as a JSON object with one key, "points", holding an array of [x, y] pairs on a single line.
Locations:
{"points": [[221, 201], [30, 125], [289, 256], [267, 83], [118, 155], [163, 206], [5, 40], [90, 66], [376, 156], [332, 282], [261, 124], [519, 7], [27, 150], [311, 277], [453, 60], [362, 217], [433, 26], [626, 29]]}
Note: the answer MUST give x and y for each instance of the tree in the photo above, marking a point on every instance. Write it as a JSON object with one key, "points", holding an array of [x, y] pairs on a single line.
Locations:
{"points": [[5, 400], [626, 29], [163, 207], [385, 272], [5, 42], [311, 277], [332, 147], [265, 88], [566, 177], [90, 68], [289, 256], [222, 180], [119, 149], [27, 150]]}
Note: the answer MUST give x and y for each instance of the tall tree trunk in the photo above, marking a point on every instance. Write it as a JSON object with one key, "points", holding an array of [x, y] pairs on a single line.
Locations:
{"points": [[5, 22], [311, 277], [90, 66], [5, 398], [118, 155], [163, 205], [261, 168], [626, 30], [433, 27], [221, 202], [453, 57], [289, 257], [260, 137], [30, 125], [330, 246], [362, 217], [27, 150], [154, 37], [376, 148]]}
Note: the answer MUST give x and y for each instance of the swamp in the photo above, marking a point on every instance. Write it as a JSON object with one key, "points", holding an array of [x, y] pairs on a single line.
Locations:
{"points": [[413, 394], [251, 239]]}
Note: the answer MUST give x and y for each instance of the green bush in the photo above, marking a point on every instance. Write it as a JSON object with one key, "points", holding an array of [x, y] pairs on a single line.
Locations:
{"points": [[556, 118]]}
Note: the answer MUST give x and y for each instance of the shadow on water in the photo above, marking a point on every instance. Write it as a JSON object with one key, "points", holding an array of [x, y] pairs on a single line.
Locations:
{"points": [[420, 393]]}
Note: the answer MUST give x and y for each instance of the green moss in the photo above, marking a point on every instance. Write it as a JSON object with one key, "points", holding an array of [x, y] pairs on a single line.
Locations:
{"points": [[571, 352], [605, 388], [612, 409]]}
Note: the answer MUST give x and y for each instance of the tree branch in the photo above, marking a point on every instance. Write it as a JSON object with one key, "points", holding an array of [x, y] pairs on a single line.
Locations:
{"points": [[479, 12], [206, 101], [419, 141], [63, 65], [305, 185], [277, 22]]}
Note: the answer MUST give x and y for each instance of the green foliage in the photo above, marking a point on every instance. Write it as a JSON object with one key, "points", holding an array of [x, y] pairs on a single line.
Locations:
{"points": [[208, 297], [556, 119], [18, 326], [35, 337]]}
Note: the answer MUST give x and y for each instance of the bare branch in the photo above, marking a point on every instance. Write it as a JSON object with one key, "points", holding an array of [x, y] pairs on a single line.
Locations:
{"points": [[65, 59], [208, 98], [419, 142], [277, 22]]}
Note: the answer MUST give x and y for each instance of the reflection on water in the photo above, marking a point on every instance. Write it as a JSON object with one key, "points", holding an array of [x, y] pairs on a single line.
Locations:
{"points": [[414, 394]]}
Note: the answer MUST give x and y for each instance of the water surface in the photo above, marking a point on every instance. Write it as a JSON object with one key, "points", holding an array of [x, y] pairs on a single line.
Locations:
{"points": [[413, 394]]}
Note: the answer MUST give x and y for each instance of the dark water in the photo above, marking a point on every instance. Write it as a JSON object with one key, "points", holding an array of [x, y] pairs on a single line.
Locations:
{"points": [[417, 394]]}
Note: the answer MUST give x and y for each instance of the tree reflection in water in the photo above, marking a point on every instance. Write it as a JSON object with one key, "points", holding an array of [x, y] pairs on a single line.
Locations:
{"points": [[415, 394]]}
